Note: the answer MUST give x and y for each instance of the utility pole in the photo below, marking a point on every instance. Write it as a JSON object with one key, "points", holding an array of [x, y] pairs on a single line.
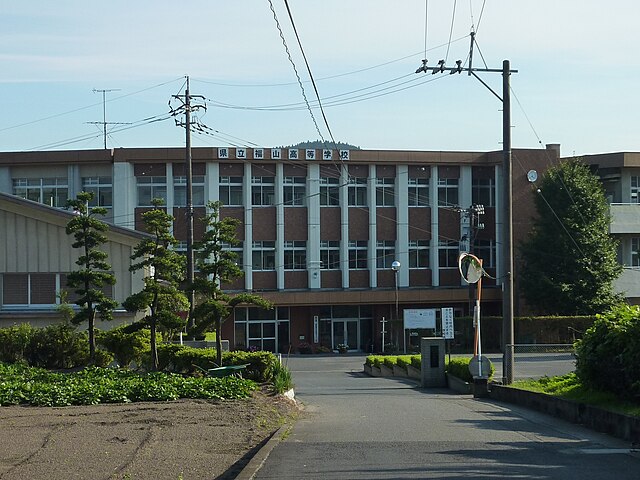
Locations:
{"points": [[186, 108], [507, 230], [507, 237], [104, 122]]}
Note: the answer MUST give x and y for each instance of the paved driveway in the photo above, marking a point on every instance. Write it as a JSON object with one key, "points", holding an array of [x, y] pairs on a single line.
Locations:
{"points": [[359, 427]]}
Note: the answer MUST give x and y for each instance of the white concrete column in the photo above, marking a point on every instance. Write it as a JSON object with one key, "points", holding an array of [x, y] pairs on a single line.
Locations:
{"points": [[402, 217], [464, 201], [6, 182], [125, 195], [344, 224], [212, 182], [373, 233], [248, 227], [279, 191], [313, 225], [435, 233], [74, 181], [170, 198]]}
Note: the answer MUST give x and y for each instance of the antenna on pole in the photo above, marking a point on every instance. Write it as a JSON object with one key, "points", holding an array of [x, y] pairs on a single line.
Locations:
{"points": [[104, 122]]}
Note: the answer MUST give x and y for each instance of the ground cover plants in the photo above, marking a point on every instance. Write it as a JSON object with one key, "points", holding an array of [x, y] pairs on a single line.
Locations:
{"points": [[20, 384], [570, 387]]}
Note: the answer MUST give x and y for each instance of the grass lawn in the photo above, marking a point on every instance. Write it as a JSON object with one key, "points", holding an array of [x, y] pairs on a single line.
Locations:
{"points": [[569, 387]]}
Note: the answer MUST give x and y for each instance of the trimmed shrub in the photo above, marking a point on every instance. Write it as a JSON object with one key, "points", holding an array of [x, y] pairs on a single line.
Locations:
{"points": [[608, 356], [262, 365], [59, 346], [14, 343], [375, 360], [459, 367], [390, 361], [127, 343], [404, 360], [416, 361]]}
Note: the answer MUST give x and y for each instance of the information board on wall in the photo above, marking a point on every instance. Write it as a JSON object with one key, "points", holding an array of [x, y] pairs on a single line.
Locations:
{"points": [[447, 323], [419, 318]]}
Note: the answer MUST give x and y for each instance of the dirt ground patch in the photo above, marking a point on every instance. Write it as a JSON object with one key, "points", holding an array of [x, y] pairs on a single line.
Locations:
{"points": [[185, 439]]}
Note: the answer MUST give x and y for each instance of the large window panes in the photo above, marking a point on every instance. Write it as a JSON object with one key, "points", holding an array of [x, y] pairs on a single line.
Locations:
{"points": [[231, 191], [260, 329], [50, 191], [150, 187], [180, 191]]}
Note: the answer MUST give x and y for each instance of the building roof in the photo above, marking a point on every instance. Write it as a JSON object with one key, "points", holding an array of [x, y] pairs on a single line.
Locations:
{"points": [[57, 216]]}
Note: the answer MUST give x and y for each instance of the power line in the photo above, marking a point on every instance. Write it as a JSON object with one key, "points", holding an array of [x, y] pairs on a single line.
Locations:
{"points": [[286, 47]]}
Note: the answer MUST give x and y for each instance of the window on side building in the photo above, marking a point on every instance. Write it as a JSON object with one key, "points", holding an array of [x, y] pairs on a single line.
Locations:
{"points": [[295, 191], [447, 192], [180, 191], [419, 254], [102, 190], [418, 194], [150, 187], [385, 192], [357, 192], [358, 254], [385, 253], [329, 191], [295, 255], [231, 191], [330, 255], [262, 191]]}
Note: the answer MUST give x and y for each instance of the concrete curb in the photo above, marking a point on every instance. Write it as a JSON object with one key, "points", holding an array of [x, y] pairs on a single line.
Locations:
{"points": [[257, 461], [618, 425]]}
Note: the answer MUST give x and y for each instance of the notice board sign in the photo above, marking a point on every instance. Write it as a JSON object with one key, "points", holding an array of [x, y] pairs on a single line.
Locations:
{"points": [[447, 322], [419, 318]]}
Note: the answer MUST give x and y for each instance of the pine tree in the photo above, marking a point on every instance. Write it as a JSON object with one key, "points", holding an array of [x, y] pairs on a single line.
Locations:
{"points": [[217, 265], [569, 259], [164, 270], [94, 271]]}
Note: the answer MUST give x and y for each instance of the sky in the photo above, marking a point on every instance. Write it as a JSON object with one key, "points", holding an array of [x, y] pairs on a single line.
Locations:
{"points": [[576, 81]]}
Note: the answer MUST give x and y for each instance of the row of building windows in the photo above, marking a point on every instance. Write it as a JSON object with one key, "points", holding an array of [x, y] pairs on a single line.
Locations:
{"points": [[55, 191], [263, 254]]}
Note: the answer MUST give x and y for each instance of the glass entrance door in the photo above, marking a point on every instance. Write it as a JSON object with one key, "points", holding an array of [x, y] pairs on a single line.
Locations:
{"points": [[345, 332]]}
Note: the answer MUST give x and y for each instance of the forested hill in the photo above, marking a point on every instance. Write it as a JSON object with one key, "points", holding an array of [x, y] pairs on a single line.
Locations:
{"points": [[326, 144]]}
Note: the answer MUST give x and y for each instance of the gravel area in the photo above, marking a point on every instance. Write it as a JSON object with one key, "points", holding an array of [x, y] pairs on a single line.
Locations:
{"points": [[185, 439]]}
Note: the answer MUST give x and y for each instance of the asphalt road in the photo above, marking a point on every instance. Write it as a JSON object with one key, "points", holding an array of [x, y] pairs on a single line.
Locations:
{"points": [[360, 427]]}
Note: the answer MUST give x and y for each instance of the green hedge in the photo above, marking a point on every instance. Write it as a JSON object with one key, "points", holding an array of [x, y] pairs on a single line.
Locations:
{"points": [[26, 385]]}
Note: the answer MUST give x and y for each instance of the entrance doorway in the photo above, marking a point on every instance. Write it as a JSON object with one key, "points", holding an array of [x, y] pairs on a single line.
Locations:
{"points": [[345, 332]]}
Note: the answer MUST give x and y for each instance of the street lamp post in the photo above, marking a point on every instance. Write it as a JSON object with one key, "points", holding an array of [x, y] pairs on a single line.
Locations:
{"points": [[395, 266]]}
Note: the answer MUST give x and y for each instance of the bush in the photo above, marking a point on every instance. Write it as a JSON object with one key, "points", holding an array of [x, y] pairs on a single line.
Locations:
{"points": [[459, 367], [404, 360], [374, 360], [128, 343], [416, 361], [262, 365], [14, 343], [390, 361], [608, 356], [181, 359]]}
